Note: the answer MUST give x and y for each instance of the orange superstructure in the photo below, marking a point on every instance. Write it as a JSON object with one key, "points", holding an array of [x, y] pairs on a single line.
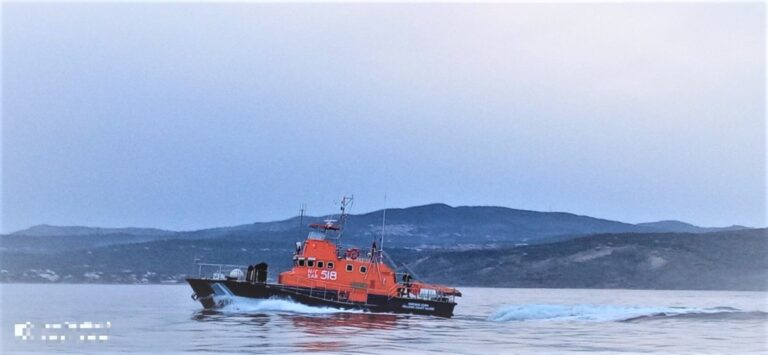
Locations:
{"points": [[319, 264]]}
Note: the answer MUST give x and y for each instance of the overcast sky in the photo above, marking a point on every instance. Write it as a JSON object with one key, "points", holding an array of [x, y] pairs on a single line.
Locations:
{"points": [[185, 116]]}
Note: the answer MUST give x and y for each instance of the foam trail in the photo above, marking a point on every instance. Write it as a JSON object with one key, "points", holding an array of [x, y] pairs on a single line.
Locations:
{"points": [[274, 305], [589, 312]]}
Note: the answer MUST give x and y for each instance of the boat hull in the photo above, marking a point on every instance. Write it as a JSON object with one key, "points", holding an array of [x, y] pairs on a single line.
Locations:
{"points": [[213, 294]]}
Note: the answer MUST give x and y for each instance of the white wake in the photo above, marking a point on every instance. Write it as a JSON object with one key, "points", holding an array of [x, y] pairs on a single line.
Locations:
{"points": [[273, 305], [587, 312]]}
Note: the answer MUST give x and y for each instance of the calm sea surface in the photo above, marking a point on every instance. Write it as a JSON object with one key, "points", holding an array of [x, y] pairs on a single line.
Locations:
{"points": [[163, 319]]}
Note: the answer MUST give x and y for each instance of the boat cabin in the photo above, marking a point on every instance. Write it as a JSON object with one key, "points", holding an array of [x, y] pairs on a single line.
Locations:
{"points": [[318, 263]]}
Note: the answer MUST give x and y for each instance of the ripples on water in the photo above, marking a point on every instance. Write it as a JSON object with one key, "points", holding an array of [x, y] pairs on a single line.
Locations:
{"points": [[162, 319]]}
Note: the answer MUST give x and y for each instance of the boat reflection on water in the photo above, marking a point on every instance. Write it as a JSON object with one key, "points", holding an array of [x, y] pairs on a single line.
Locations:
{"points": [[359, 321], [274, 331], [342, 328], [309, 323]]}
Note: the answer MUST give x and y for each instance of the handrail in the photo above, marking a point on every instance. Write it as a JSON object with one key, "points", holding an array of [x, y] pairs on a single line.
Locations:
{"points": [[222, 265], [219, 267]]}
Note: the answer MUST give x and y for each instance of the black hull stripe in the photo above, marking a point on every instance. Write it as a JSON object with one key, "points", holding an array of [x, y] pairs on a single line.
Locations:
{"points": [[204, 292]]}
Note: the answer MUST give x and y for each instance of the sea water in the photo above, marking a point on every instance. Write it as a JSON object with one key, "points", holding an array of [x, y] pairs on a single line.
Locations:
{"points": [[163, 319]]}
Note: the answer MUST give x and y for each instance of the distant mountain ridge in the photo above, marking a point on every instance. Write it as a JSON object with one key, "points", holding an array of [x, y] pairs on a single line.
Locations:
{"points": [[433, 225], [42, 230], [682, 227]]}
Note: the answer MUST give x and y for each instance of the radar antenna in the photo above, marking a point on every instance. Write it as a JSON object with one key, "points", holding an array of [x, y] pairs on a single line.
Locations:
{"points": [[346, 202], [383, 222], [302, 208]]}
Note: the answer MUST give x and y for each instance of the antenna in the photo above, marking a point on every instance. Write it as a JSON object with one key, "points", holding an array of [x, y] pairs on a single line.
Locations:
{"points": [[383, 221], [301, 216], [345, 201]]}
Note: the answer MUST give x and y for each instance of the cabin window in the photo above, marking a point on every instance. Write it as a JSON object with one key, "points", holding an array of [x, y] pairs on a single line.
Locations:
{"points": [[363, 269], [310, 263], [320, 264], [330, 265], [301, 262], [349, 267]]}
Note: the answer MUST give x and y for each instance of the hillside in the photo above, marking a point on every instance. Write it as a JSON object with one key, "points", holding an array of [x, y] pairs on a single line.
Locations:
{"points": [[480, 245], [733, 260], [730, 260]]}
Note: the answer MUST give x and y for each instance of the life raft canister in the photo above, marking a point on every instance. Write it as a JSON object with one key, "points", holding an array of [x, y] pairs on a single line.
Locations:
{"points": [[352, 253]]}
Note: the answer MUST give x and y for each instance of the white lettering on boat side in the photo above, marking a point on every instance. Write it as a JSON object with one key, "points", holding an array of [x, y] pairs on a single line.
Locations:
{"points": [[419, 306]]}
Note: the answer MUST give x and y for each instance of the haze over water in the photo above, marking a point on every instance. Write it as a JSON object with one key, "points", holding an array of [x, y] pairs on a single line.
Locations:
{"points": [[163, 319]]}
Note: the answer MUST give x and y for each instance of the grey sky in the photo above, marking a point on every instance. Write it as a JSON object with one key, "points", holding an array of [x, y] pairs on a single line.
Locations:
{"points": [[184, 116]]}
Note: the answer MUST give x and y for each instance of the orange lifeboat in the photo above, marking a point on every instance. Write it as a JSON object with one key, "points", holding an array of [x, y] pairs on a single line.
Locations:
{"points": [[323, 275]]}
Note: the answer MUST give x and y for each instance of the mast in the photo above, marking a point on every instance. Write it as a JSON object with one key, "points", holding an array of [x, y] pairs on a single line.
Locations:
{"points": [[345, 202], [383, 221], [301, 216]]}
